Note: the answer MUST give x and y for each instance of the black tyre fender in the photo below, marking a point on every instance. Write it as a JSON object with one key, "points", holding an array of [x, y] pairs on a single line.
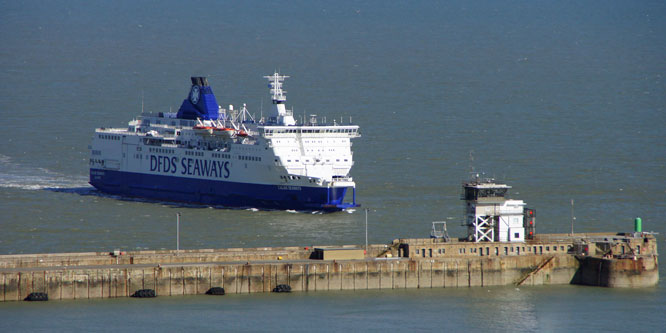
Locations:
{"points": [[215, 291], [37, 297]]}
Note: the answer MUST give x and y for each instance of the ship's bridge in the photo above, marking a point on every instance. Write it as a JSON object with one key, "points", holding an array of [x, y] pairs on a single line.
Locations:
{"points": [[485, 191]]}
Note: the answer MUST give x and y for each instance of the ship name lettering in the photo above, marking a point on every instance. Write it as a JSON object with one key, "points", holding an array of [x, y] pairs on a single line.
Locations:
{"points": [[190, 166], [163, 164], [289, 188]]}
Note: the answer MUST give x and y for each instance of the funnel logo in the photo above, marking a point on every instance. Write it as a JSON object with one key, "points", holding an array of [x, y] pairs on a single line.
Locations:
{"points": [[194, 94]]}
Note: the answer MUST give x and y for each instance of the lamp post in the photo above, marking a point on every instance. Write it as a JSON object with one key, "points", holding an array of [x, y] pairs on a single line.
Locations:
{"points": [[366, 231], [177, 232]]}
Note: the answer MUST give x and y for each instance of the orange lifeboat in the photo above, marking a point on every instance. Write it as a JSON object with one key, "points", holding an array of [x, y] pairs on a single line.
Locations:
{"points": [[223, 131], [200, 129]]}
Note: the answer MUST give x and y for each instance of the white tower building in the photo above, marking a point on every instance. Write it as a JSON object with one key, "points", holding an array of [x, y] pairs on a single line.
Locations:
{"points": [[489, 215]]}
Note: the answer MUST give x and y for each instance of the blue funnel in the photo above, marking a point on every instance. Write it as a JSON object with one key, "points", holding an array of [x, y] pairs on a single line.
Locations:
{"points": [[200, 103]]}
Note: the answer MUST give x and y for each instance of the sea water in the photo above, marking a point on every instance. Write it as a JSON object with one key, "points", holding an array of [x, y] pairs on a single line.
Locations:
{"points": [[564, 101]]}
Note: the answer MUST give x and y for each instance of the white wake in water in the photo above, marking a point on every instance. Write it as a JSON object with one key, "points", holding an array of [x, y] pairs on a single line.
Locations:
{"points": [[14, 175]]}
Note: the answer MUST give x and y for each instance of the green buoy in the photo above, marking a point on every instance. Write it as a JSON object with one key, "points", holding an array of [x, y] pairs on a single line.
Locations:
{"points": [[638, 225]]}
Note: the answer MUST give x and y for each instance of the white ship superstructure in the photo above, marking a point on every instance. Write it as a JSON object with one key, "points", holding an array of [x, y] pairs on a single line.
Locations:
{"points": [[211, 155]]}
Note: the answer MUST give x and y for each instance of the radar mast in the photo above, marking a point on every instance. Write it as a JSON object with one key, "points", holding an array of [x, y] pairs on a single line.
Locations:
{"points": [[279, 113]]}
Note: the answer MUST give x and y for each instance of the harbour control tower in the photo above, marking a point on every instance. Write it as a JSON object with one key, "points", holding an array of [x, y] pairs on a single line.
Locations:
{"points": [[491, 217]]}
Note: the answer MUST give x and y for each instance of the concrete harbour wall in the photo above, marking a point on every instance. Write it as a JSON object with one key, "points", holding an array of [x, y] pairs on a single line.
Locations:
{"points": [[186, 279], [605, 272], [609, 260]]}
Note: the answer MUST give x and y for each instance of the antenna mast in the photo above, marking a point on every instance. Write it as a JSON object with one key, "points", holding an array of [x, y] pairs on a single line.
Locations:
{"points": [[275, 83], [279, 113], [573, 218], [471, 165]]}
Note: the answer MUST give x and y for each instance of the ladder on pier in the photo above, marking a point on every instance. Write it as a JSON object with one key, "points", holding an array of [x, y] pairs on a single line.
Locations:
{"points": [[534, 271]]}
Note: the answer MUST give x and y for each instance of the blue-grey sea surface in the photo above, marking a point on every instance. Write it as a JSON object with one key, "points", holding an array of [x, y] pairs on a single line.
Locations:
{"points": [[561, 99]]}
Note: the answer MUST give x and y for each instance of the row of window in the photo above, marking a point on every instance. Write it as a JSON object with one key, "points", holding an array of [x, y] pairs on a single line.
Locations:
{"points": [[108, 137], [486, 251], [327, 141], [317, 160], [217, 155], [307, 150], [160, 150], [249, 158], [214, 155], [325, 130], [146, 122]]}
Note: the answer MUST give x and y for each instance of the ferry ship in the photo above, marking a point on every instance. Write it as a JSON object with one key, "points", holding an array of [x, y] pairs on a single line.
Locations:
{"points": [[209, 155]]}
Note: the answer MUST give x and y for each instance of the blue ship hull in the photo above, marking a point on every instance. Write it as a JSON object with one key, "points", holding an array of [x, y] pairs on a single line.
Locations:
{"points": [[219, 193]]}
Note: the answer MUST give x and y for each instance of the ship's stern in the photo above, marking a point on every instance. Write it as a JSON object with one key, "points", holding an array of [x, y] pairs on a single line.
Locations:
{"points": [[337, 193]]}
